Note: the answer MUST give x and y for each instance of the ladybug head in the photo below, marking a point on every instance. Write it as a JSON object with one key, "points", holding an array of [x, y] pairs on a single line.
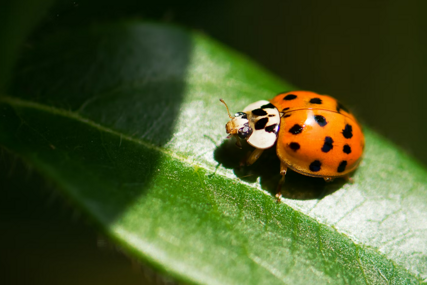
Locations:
{"points": [[238, 125]]}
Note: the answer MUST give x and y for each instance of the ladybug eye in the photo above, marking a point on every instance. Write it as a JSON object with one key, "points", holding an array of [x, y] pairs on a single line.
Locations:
{"points": [[245, 132], [241, 114]]}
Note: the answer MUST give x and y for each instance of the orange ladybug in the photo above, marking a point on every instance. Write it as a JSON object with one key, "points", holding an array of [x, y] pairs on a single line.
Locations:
{"points": [[314, 134]]}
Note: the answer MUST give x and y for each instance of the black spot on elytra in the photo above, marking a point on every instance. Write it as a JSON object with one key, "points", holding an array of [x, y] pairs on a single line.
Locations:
{"points": [[259, 112], [315, 166], [271, 129], [328, 144], [268, 106], [285, 109], [347, 132], [346, 149], [320, 120], [290, 97], [342, 166], [294, 146], [341, 107], [286, 116], [316, 101], [261, 124], [296, 129]]}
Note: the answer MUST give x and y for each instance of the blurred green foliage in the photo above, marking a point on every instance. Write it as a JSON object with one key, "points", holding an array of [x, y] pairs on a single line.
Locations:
{"points": [[17, 20]]}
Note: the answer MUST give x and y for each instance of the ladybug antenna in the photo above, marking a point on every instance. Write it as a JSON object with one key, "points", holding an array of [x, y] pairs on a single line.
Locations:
{"points": [[228, 111]]}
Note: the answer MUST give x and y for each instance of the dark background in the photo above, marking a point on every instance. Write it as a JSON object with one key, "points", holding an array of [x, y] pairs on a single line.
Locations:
{"points": [[369, 54]]}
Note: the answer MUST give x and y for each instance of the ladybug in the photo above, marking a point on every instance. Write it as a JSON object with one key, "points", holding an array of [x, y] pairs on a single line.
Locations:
{"points": [[314, 134]]}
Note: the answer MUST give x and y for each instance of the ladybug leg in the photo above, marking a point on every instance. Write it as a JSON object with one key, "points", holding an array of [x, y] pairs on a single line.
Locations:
{"points": [[283, 170], [252, 157], [238, 143], [348, 179]]}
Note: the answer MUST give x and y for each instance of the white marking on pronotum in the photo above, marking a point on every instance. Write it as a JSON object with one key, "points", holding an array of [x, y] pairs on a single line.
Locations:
{"points": [[265, 137]]}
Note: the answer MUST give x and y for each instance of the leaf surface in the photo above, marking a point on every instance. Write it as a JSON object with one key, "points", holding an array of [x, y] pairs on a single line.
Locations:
{"points": [[125, 119]]}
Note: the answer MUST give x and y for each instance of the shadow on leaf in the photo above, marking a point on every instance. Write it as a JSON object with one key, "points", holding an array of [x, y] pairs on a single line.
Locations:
{"points": [[100, 101], [267, 168]]}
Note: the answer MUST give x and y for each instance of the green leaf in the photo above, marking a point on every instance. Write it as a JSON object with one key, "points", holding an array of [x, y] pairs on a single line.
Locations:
{"points": [[124, 118]]}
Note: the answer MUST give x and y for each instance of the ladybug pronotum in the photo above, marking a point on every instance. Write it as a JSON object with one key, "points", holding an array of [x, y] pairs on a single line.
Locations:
{"points": [[314, 134]]}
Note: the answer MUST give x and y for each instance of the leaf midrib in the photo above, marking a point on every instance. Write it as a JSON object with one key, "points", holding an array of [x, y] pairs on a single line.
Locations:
{"points": [[73, 115]]}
